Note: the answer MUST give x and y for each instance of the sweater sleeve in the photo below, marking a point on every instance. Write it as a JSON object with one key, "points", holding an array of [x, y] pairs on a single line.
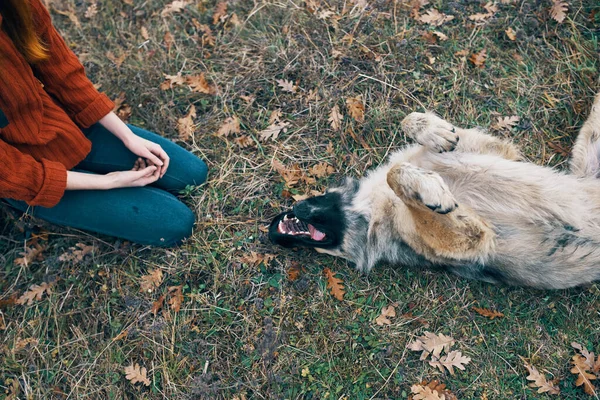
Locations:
{"points": [[23, 178], [64, 77]]}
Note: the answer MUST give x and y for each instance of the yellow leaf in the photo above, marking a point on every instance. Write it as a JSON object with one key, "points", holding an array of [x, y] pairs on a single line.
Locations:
{"points": [[136, 374]]}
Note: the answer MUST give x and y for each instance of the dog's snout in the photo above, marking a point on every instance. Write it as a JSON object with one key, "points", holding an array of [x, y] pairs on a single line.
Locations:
{"points": [[302, 209]]}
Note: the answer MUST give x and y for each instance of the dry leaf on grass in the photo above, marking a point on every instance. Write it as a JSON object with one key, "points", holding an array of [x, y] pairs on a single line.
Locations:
{"points": [[589, 357], [321, 170], [491, 314], [91, 11], [440, 35], [158, 304], [425, 393], [69, 14], [334, 284], [287, 85], [386, 312], [186, 125], [434, 17], [506, 123], [76, 254], [584, 377], [144, 33], [539, 381], [199, 84], [511, 34], [151, 281], [435, 387], [272, 131], [136, 374], [220, 12], [431, 343], [176, 299], [451, 360], [559, 9], [172, 80], [255, 259], [244, 141], [356, 108], [30, 255], [294, 271], [35, 292], [478, 59], [335, 118], [230, 125], [118, 61], [174, 7], [168, 39], [291, 175]]}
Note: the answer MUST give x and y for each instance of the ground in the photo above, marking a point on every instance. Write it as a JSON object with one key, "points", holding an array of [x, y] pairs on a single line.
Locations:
{"points": [[246, 330]]}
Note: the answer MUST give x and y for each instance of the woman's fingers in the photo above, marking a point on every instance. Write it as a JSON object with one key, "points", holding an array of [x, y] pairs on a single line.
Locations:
{"points": [[149, 154]]}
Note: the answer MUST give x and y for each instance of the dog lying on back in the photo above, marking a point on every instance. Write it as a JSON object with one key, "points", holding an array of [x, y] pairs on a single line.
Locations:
{"points": [[463, 200]]}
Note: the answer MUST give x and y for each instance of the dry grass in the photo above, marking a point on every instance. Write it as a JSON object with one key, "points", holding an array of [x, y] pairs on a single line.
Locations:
{"points": [[247, 331]]}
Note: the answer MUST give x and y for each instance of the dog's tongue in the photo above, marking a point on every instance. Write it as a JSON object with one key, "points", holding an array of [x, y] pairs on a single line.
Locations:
{"points": [[315, 234]]}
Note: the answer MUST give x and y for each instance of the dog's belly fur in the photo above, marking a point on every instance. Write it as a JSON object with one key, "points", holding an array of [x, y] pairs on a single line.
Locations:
{"points": [[546, 223]]}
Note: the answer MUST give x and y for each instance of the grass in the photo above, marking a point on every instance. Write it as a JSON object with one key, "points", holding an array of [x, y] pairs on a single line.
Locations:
{"points": [[246, 331]]}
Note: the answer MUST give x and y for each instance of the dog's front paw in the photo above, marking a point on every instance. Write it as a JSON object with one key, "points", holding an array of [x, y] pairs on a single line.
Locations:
{"points": [[418, 185], [431, 131]]}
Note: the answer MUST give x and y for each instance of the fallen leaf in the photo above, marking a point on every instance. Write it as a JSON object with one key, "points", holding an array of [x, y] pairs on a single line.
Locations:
{"points": [[287, 85], [30, 255], [386, 312], [198, 83], [158, 304], [506, 123], [356, 108], [234, 20], [76, 254], [35, 292], [248, 99], [335, 118], [425, 393], [589, 357], [441, 35], [91, 11], [151, 281], [176, 297], [321, 170], [275, 116], [174, 7], [291, 175], [118, 61], [478, 59], [272, 131], [169, 40], [255, 259], [539, 381], [144, 33], [432, 344], [121, 335], [488, 313], [136, 374], [186, 125], [294, 271], [451, 360], [208, 39], [335, 285], [584, 377], [558, 11], [20, 344], [436, 386], [69, 14], [435, 18], [244, 141], [220, 12], [511, 34], [172, 80], [230, 125]]}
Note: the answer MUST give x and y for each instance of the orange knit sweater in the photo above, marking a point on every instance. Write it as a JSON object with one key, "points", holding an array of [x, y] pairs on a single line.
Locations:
{"points": [[44, 104]]}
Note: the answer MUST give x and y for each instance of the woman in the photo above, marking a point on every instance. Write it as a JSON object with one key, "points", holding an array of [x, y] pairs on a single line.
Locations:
{"points": [[66, 157]]}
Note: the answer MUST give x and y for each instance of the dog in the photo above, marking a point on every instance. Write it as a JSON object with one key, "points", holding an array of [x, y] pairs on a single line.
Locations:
{"points": [[465, 201]]}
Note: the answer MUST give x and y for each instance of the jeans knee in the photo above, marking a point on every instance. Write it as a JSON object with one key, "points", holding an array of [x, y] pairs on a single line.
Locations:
{"points": [[178, 227], [198, 172]]}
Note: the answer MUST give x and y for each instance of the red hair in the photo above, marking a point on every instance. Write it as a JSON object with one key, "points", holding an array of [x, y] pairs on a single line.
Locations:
{"points": [[18, 22]]}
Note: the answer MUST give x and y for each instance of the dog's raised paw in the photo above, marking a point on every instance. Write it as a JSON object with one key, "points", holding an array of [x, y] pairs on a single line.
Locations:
{"points": [[431, 131]]}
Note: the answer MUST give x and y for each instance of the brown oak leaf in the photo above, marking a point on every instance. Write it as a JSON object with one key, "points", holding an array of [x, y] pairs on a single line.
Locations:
{"points": [[186, 125], [334, 284], [539, 381], [511, 34], [478, 59], [272, 131], [199, 84], [335, 118], [294, 271], [386, 312], [35, 292], [255, 259], [151, 281], [506, 123], [434, 17], [220, 12], [431, 343], [172, 80], [491, 314], [291, 175], [174, 7], [230, 125], [558, 11], [584, 377], [158, 304], [287, 85], [136, 374], [176, 297], [30, 255], [244, 141], [76, 254], [321, 170], [356, 108], [451, 360]]}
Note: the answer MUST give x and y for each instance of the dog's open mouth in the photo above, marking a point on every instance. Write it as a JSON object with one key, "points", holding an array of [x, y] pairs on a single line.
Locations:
{"points": [[291, 225]]}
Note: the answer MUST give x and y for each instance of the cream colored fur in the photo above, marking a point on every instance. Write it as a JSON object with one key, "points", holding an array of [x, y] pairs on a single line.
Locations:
{"points": [[463, 199]]}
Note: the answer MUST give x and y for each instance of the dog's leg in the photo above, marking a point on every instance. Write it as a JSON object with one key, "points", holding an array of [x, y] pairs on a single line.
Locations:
{"points": [[441, 230], [438, 135], [585, 156]]}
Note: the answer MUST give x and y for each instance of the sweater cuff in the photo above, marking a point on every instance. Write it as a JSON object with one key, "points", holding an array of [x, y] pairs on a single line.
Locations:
{"points": [[53, 186], [99, 108]]}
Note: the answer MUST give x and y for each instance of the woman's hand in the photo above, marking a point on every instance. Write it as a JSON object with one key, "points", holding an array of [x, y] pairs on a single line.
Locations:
{"points": [[138, 176], [150, 151]]}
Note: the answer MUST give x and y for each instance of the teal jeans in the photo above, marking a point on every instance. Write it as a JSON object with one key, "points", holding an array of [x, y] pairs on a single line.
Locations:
{"points": [[149, 215]]}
